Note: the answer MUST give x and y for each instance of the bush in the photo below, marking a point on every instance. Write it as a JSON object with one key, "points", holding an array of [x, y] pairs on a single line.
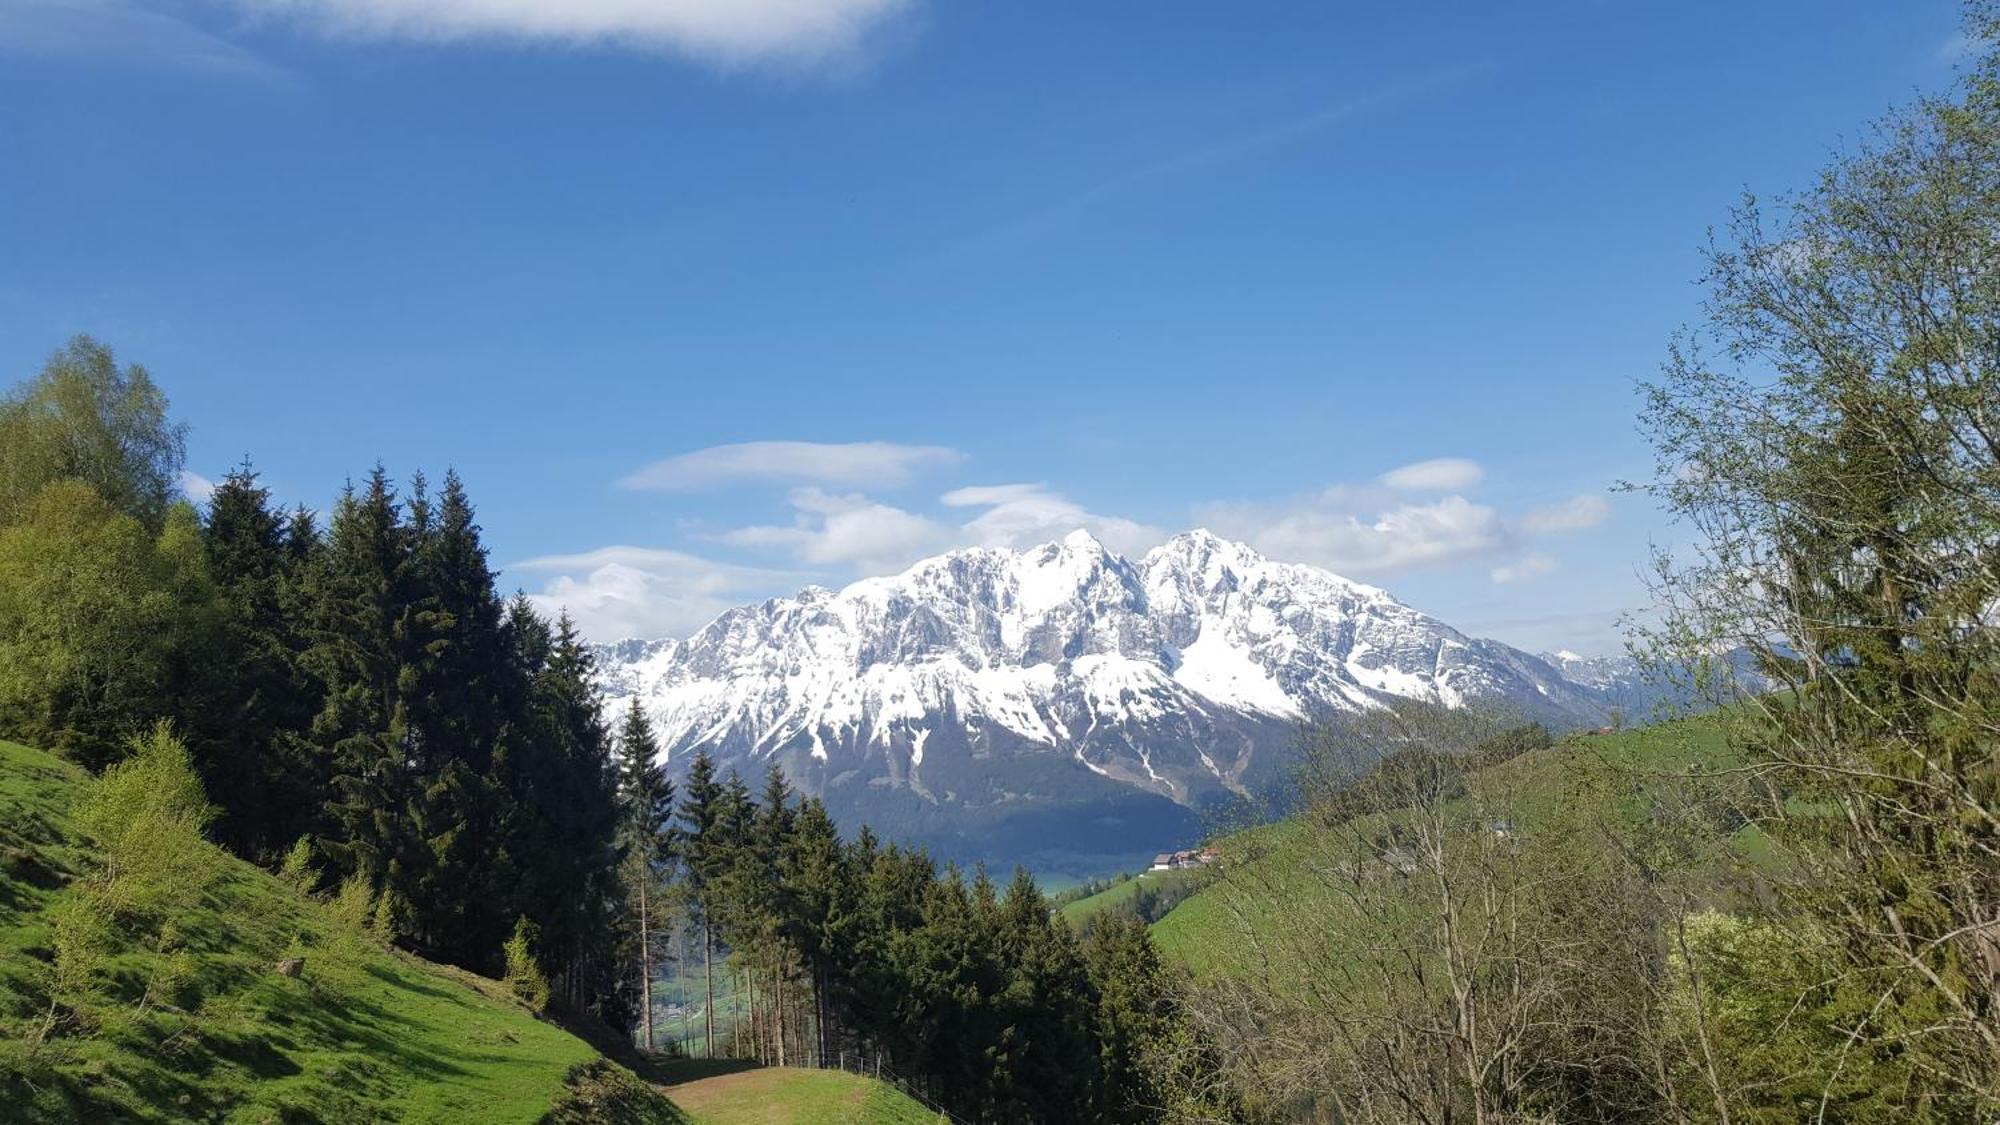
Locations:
{"points": [[148, 812], [524, 974], [391, 910], [354, 905], [297, 869]]}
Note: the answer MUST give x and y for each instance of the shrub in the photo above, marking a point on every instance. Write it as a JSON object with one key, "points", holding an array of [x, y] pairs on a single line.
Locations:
{"points": [[524, 974], [354, 905], [297, 869]]}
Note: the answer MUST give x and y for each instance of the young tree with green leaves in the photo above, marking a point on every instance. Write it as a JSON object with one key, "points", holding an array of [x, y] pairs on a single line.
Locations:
{"points": [[1830, 437], [83, 418], [103, 622]]}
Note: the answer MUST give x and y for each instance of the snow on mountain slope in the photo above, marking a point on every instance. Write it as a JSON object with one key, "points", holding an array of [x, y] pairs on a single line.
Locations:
{"points": [[987, 683]]}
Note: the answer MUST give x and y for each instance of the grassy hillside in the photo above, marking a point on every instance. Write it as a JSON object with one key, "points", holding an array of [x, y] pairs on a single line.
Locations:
{"points": [[1266, 883], [195, 1022], [1125, 891], [786, 1096]]}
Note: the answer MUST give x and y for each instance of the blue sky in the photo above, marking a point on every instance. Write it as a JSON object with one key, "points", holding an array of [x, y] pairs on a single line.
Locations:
{"points": [[978, 273]]}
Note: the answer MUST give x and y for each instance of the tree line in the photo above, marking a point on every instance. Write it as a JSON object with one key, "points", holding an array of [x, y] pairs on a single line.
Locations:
{"points": [[980, 996], [354, 690], [368, 715]]}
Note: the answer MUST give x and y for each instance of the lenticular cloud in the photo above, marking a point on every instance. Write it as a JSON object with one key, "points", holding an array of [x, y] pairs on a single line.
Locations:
{"points": [[734, 31]]}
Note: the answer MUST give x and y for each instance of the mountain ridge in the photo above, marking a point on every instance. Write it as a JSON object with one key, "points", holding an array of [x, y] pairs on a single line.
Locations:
{"points": [[991, 684]]}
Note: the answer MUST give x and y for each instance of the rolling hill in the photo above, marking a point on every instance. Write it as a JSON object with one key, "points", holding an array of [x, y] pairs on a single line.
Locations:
{"points": [[1264, 883], [361, 1033]]}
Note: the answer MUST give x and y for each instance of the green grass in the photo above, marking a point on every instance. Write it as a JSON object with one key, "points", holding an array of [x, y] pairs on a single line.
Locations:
{"points": [[362, 1034], [785, 1096], [1266, 879], [1121, 892]]}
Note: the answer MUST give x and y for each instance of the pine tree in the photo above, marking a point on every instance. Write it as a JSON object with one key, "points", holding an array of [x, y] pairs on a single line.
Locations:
{"points": [[254, 695], [468, 698], [564, 789], [359, 631], [700, 843], [822, 908], [646, 798]]}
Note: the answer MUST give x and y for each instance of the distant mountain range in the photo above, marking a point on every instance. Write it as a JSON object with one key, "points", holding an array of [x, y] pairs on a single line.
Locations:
{"points": [[1064, 700]]}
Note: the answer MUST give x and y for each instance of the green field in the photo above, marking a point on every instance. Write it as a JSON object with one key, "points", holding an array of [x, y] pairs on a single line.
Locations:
{"points": [[1266, 882], [362, 1034], [786, 1096], [1124, 891]]}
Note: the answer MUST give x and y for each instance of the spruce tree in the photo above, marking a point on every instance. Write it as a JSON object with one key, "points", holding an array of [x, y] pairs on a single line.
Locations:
{"points": [[360, 654], [254, 696], [699, 840], [646, 798]]}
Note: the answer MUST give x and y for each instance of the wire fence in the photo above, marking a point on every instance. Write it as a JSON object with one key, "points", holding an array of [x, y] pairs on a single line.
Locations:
{"points": [[869, 1064]]}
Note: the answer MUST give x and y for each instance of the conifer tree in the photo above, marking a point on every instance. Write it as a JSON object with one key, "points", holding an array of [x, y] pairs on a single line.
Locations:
{"points": [[566, 789], [646, 798], [360, 630], [699, 841], [253, 696], [468, 698]]}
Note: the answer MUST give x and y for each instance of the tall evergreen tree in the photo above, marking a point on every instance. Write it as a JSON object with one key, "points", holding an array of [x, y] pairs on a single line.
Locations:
{"points": [[359, 651], [253, 697], [467, 701], [699, 838], [570, 789], [646, 798]]}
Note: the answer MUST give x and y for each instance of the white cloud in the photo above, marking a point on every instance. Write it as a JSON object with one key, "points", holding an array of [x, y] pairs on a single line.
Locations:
{"points": [[1440, 474], [1369, 531], [618, 592], [1574, 514], [849, 530], [1021, 515], [196, 487], [853, 464], [870, 537], [1322, 531], [1531, 565], [981, 495], [729, 32]]}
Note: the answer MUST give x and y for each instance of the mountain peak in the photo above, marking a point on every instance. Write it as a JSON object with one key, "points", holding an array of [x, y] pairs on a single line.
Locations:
{"points": [[994, 682]]}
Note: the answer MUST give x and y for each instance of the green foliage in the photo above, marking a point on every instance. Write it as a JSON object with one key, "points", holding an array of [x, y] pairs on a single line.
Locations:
{"points": [[1827, 435], [354, 906], [100, 619], [389, 920], [146, 817], [524, 971], [297, 871], [1779, 1031], [148, 813], [85, 420], [199, 1026], [243, 717]]}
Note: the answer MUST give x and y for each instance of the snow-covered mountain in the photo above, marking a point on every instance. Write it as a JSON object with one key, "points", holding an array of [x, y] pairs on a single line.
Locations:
{"points": [[1062, 691]]}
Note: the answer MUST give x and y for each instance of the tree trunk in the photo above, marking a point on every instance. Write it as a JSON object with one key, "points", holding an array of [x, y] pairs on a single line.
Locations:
{"points": [[645, 965], [778, 1007], [708, 975]]}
